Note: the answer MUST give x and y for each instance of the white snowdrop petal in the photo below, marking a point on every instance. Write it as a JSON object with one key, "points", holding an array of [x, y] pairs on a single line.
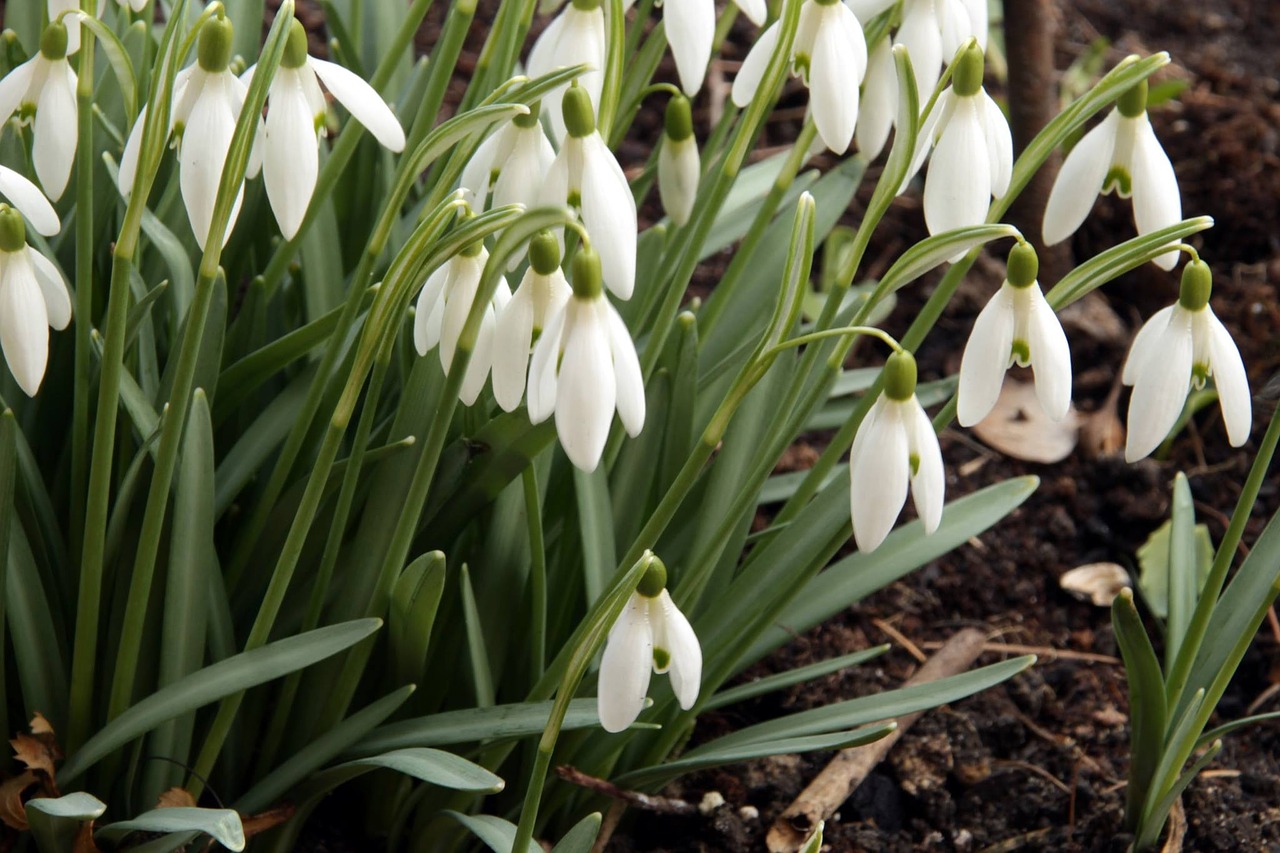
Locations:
{"points": [[291, 157], [29, 201], [520, 180], [1231, 380], [1157, 203], [587, 390], [479, 362], [753, 67], [938, 117], [511, 347], [24, 325], [879, 101], [625, 667], [833, 85], [1079, 181], [362, 101], [424, 336], [985, 359], [690, 26], [460, 292], [129, 159], [202, 154], [14, 86], [53, 287], [478, 171], [1050, 357], [626, 368], [1145, 345], [878, 476], [609, 212], [921, 35], [978, 21], [755, 10], [686, 653], [953, 22], [1160, 390], [54, 150], [543, 365], [957, 190], [929, 483], [679, 172], [865, 10], [999, 145]]}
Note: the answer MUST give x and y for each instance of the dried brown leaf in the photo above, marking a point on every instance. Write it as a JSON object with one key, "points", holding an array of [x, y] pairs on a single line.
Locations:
{"points": [[37, 753], [176, 798], [41, 726], [1098, 582], [12, 810], [261, 822], [84, 839], [1018, 427]]}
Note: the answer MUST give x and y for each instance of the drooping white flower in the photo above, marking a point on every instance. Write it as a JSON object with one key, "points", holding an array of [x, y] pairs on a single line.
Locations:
{"points": [[679, 168], [512, 162], [576, 36], [441, 313], [207, 99], [651, 635], [895, 446], [972, 150], [541, 296], [830, 53], [1122, 155], [584, 367], [29, 201], [879, 101], [586, 175], [33, 297], [1176, 350], [295, 121], [691, 29], [1017, 325], [45, 86]]}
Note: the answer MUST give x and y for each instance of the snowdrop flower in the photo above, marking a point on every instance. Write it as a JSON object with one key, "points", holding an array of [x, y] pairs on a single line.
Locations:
{"points": [[586, 175], [1017, 325], [541, 296], [33, 297], [830, 53], [207, 99], [679, 168], [895, 445], [1123, 155], [29, 201], [45, 86], [879, 101], [1177, 349], [933, 30], [575, 37], [651, 635], [512, 162], [291, 159], [442, 310], [972, 150], [584, 366], [691, 29]]}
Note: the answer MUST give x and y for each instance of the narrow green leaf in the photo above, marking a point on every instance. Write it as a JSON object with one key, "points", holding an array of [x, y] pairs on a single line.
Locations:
{"points": [[55, 823], [1147, 711], [595, 525], [475, 724], [581, 838], [434, 766], [1227, 728], [481, 674], [799, 675], [934, 251], [1153, 566], [223, 825], [1154, 819], [415, 599], [498, 835], [121, 65], [42, 672], [1184, 573]]}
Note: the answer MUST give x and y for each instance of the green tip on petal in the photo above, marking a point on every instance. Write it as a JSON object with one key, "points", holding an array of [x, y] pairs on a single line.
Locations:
{"points": [[579, 115], [53, 41], [900, 376], [1023, 266], [1133, 103], [13, 231], [586, 5], [654, 580], [295, 49], [661, 659], [216, 37], [966, 80], [679, 119], [544, 253], [588, 281], [1197, 285], [529, 119]]}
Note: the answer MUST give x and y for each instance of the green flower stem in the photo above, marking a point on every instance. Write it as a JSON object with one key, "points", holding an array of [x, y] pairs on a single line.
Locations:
{"points": [[175, 416], [501, 49], [745, 253], [841, 333], [615, 49], [537, 573], [97, 504], [1176, 683], [85, 163]]}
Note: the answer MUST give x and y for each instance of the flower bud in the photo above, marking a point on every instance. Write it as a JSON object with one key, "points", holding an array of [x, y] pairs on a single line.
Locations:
{"points": [[214, 51], [1023, 265], [13, 231], [53, 41], [295, 48], [966, 80], [679, 168], [679, 119], [544, 253], [579, 115], [587, 278], [654, 580], [900, 376], [1197, 284]]}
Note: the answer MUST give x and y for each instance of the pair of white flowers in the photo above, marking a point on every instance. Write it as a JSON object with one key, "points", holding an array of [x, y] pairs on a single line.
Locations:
{"points": [[207, 101]]}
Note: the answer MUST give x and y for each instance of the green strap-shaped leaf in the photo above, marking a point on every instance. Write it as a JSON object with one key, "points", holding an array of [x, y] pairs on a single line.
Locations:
{"points": [[223, 825], [581, 838], [1147, 711], [498, 835], [475, 724], [55, 823]]}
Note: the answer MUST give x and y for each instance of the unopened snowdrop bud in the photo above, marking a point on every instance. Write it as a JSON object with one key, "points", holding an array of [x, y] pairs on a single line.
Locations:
{"points": [[651, 635], [512, 162], [441, 313], [973, 150], [1121, 155], [895, 447], [586, 175], [830, 53], [542, 295], [33, 297], [45, 87], [576, 36], [678, 164], [584, 367], [1016, 326], [1178, 349], [295, 122]]}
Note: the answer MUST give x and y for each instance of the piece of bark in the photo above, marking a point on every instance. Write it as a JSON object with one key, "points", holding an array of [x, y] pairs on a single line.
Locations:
{"points": [[839, 779]]}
